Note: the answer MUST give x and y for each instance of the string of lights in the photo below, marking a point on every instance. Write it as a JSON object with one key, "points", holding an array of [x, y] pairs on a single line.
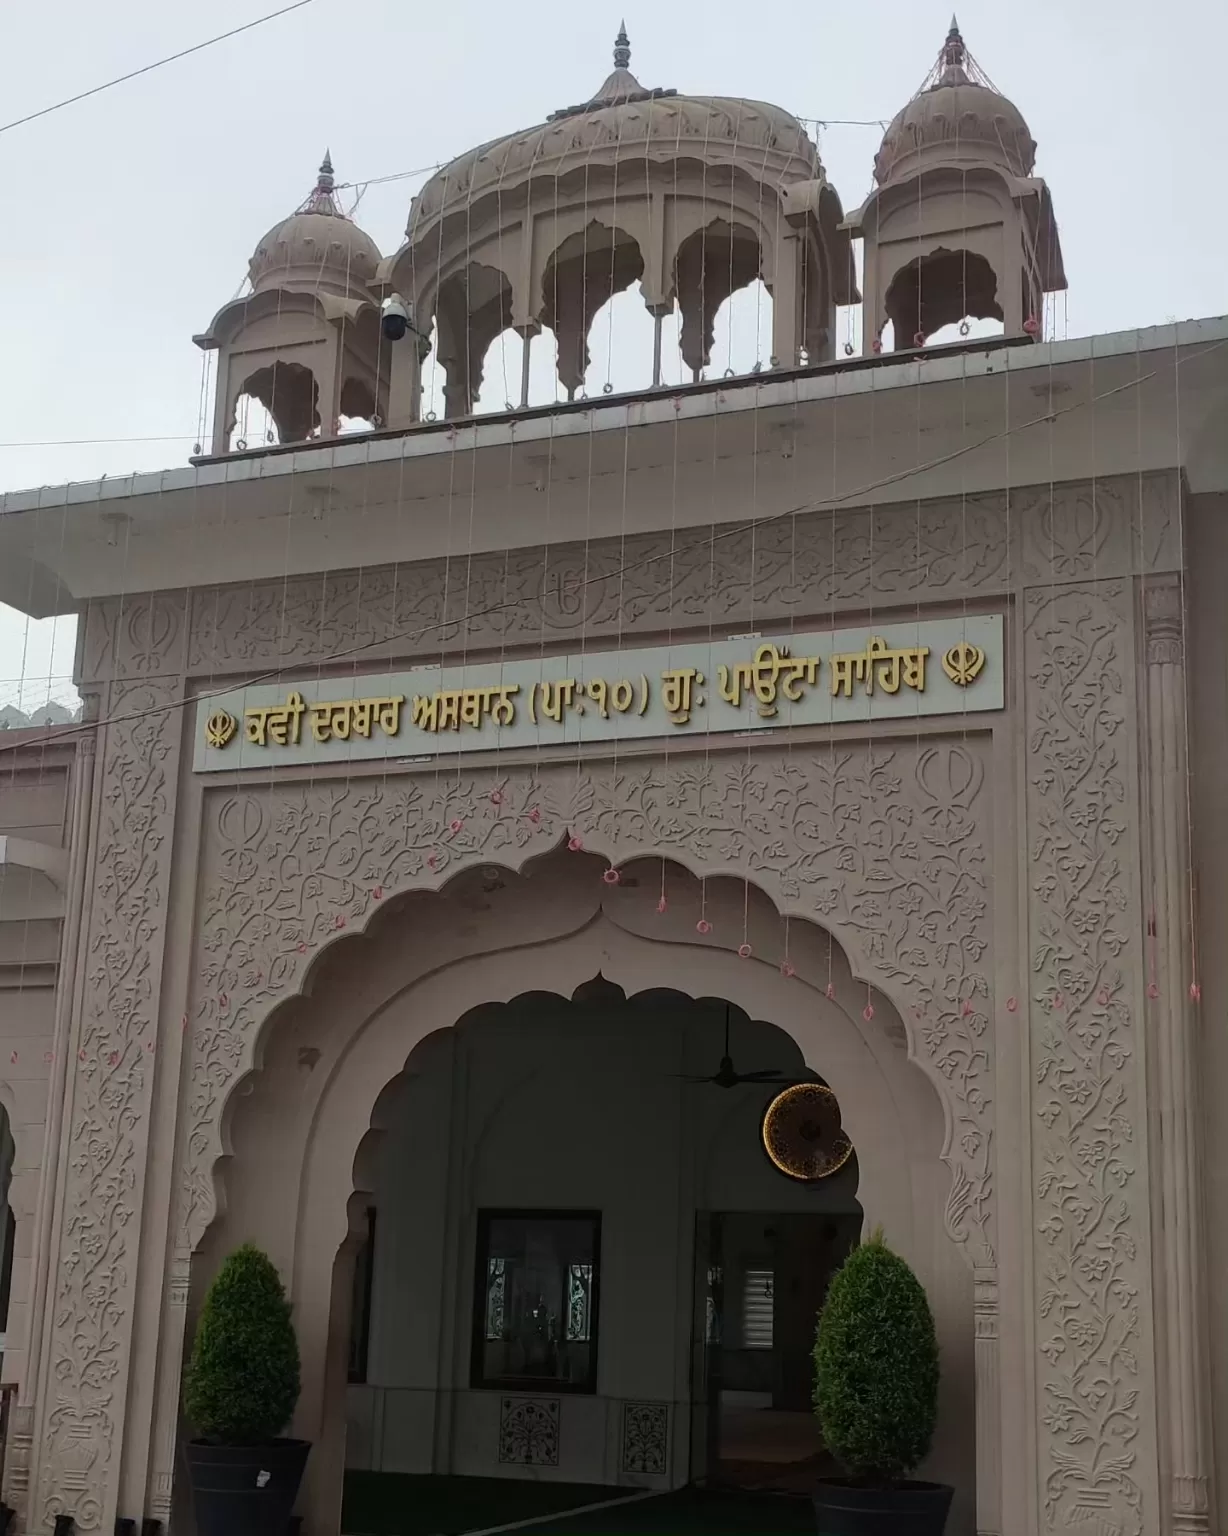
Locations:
{"points": [[734, 531]]}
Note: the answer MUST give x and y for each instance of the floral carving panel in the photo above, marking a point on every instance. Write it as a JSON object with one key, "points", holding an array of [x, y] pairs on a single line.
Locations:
{"points": [[885, 848], [1090, 1200], [110, 1085], [804, 566]]}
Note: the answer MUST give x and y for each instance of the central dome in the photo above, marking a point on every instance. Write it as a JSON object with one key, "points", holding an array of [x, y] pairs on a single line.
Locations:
{"points": [[657, 123], [688, 199]]}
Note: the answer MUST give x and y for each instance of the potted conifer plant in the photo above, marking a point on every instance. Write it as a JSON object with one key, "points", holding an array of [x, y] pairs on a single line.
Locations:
{"points": [[876, 1396], [240, 1390]]}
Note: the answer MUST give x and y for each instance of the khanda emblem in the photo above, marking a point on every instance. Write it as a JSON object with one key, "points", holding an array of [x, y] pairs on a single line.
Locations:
{"points": [[963, 663], [220, 728]]}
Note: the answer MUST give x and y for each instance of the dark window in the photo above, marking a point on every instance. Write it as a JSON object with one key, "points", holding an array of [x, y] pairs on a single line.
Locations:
{"points": [[360, 1316], [535, 1300]]}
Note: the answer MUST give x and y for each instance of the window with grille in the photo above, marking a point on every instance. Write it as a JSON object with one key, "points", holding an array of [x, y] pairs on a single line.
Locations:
{"points": [[758, 1292], [535, 1320]]}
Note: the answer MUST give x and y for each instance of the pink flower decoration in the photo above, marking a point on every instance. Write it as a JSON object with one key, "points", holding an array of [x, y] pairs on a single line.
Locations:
{"points": [[302, 949], [919, 339], [966, 1010], [576, 844], [745, 951], [787, 968], [340, 922], [456, 825], [829, 991], [535, 815], [1031, 325], [378, 893], [1195, 992], [867, 1012], [13, 1059], [1153, 991], [496, 797], [432, 860], [1104, 997], [662, 904], [48, 1058], [81, 1054], [611, 876], [224, 1001], [1012, 1005], [113, 1059], [1059, 1000], [703, 926]]}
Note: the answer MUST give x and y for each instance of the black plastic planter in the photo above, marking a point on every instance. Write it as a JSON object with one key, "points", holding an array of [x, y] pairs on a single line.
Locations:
{"points": [[245, 1490], [908, 1509]]}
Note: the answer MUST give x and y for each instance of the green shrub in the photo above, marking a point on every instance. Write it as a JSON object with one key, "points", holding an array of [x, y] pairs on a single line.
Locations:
{"points": [[876, 1367], [243, 1379]]}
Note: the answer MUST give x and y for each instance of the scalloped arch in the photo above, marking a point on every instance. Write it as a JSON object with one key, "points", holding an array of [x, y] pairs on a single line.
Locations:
{"points": [[883, 849]]}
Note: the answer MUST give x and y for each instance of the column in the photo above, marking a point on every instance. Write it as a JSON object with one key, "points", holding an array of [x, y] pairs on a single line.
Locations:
{"points": [[100, 1158], [1173, 1019], [22, 1420]]}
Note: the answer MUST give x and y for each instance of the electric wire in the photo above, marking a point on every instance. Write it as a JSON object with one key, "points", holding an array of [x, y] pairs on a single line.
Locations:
{"points": [[735, 530], [145, 69]]}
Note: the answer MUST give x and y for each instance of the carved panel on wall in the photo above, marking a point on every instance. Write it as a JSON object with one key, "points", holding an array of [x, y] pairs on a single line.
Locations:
{"points": [[1090, 1202], [529, 1431], [136, 635], [813, 565], [646, 1439], [95, 1269], [1086, 530], [886, 848]]}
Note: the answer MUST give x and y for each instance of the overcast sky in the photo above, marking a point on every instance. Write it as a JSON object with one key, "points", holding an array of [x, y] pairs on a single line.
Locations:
{"points": [[128, 219]]}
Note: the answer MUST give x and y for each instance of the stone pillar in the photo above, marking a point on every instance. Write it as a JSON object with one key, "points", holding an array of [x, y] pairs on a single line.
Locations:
{"points": [[1094, 1326], [1173, 1016], [22, 1420], [100, 1157]]}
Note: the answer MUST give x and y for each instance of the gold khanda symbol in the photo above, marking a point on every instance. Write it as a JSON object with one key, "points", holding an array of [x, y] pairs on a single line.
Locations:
{"points": [[220, 728], [963, 663]]}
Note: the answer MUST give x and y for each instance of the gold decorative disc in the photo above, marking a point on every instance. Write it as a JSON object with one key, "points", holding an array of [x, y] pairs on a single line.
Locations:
{"points": [[802, 1133]]}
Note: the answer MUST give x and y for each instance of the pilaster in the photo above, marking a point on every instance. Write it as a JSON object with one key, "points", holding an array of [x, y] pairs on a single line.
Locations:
{"points": [[78, 1439], [1172, 992]]}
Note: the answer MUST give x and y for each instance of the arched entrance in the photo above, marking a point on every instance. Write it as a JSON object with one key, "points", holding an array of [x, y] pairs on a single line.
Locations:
{"points": [[334, 1098]]}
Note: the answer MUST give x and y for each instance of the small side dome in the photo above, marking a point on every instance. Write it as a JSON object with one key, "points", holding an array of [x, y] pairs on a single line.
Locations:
{"points": [[957, 117], [317, 247]]}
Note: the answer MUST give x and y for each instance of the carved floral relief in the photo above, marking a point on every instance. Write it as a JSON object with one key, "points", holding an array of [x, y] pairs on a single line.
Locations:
{"points": [[1090, 1202], [802, 568], [887, 848], [95, 1269]]}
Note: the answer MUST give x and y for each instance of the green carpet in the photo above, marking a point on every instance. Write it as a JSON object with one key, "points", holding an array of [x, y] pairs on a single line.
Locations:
{"points": [[387, 1504], [392, 1504], [691, 1512]]}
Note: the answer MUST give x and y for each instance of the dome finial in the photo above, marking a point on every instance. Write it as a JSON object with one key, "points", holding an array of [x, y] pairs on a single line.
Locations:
{"points": [[622, 48], [953, 60], [321, 199]]}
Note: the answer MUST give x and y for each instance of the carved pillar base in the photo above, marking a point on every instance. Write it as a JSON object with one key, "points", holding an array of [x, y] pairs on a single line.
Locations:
{"points": [[1191, 1506], [988, 1406]]}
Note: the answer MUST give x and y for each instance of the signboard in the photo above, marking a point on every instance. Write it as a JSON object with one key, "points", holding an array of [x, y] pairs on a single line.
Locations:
{"points": [[902, 672]]}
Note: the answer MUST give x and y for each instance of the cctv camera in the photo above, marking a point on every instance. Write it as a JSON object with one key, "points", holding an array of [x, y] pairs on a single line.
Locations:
{"points": [[396, 317]]}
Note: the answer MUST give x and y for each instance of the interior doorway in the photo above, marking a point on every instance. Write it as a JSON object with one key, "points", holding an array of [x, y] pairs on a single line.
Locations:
{"points": [[761, 1279]]}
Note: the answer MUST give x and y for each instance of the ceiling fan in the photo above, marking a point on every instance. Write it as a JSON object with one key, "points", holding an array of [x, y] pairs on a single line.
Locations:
{"points": [[726, 1077]]}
